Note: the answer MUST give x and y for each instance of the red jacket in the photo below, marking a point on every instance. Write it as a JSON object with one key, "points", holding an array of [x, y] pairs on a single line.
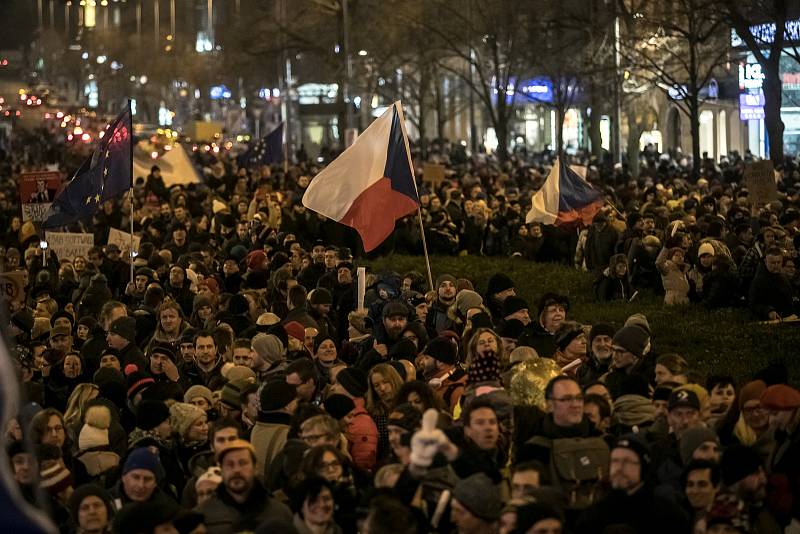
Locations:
{"points": [[362, 434]]}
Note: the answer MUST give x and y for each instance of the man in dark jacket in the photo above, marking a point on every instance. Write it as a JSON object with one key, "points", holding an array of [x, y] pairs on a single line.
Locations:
{"points": [[770, 291], [240, 502], [206, 370], [600, 243], [631, 505]]}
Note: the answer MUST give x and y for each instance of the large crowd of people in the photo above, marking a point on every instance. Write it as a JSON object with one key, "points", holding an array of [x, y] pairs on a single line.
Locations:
{"points": [[235, 384]]}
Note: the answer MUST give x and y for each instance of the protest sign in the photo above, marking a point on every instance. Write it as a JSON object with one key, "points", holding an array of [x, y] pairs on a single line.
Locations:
{"points": [[12, 286], [68, 246], [433, 173], [123, 240], [36, 192], [760, 180]]}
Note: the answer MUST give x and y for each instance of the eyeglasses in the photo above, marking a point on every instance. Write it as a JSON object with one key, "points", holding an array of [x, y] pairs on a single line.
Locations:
{"points": [[568, 399], [330, 465], [624, 461]]}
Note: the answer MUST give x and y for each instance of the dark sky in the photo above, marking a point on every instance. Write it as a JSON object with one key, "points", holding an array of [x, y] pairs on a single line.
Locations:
{"points": [[19, 23]]}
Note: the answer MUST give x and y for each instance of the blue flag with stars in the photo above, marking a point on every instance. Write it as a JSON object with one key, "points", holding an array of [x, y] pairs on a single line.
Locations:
{"points": [[268, 150], [105, 175]]}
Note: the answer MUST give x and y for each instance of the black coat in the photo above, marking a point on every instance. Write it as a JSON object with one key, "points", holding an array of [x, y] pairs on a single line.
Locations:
{"points": [[770, 292], [640, 513]]}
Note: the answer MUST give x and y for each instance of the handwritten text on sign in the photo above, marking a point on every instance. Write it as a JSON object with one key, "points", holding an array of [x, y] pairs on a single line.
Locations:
{"points": [[12, 286], [68, 246]]}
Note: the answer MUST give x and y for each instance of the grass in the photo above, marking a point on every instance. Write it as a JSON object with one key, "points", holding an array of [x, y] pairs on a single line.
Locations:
{"points": [[721, 342]]}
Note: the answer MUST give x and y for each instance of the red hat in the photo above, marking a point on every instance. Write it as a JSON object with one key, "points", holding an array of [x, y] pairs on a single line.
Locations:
{"points": [[295, 330], [780, 397], [256, 260]]}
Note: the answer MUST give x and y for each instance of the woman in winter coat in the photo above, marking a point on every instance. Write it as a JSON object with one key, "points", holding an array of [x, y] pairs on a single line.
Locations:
{"points": [[671, 265]]}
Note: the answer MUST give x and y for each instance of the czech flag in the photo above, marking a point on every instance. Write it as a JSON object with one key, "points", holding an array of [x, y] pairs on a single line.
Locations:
{"points": [[371, 184], [565, 198]]}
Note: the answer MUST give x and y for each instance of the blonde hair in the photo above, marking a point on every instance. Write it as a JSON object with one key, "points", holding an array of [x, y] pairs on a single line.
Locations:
{"points": [[383, 474], [374, 404], [76, 405]]}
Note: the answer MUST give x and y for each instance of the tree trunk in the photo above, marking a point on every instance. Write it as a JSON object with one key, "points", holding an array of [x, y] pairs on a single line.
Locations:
{"points": [[423, 141], [694, 124], [773, 98], [595, 138], [634, 133], [560, 113], [502, 135]]}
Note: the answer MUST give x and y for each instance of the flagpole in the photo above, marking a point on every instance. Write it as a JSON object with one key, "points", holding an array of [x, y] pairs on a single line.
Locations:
{"points": [[285, 149], [130, 135], [425, 249]]}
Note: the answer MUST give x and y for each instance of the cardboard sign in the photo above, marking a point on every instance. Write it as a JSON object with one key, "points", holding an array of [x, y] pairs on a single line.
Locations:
{"points": [[12, 286], [760, 180], [68, 246], [123, 240], [36, 192], [433, 173]]}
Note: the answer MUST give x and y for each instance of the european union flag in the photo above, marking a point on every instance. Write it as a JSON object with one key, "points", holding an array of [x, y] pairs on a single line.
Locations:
{"points": [[268, 150], [103, 176]]}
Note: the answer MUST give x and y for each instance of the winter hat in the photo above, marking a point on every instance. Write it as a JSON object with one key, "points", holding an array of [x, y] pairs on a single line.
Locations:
{"points": [[633, 410], [339, 405], [404, 349], [198, 391], [693, 438], [780, 397], [240, 372], [705, 248], [268, 347], [530, 514], [256, 259], [445, 278], [160, 347], [359, 321], [566, 333], [182, 415], [94, 432], [137, 381], [23, 320], [683, 398], [89, 490], [601, 329], [634, 443], [443, 350], [481, 320], [662, 393], [548, 299], [320, 296], [267, 319], [751, 391], [497, 283], [511, 329], [138, 517], [640, 320], [55, 478], [238, 305], [275, 395], [124, 327], [394, 308], [353, 380], [514, 304], [484, 368], [151, 413], [295, 330], [279, 331], [466, 299], [478, 494], [522, 354], [235, 445], [406, 417], [634, 339], [232, 391], [737, 463], [213, 474], [61, 313]]}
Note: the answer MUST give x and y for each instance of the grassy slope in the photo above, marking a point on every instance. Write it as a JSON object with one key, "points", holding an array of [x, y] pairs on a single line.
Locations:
{"points": [[724, 341]]}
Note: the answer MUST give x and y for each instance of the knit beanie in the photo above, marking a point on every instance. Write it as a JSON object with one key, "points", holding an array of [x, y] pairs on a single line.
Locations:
{"points": [[124, 327], [94, 432], [231, 392], [160, 347], [182, 415], [633, 410], [256, 259], [634, 443], [780, 397], [137, 381], [198, 391], [530, 514], [497, 283], [403, 349], [275, 395], [484, 368], [693, 438], [566, 333], [295, 330], [478, 494], [751, 391], [549, 299], [600, 329], [320, 296], [442, 349], [338, 406], [151, 413], [89, 490], [143, 458], [640, 320], [240, 372], [268, 347], [514, 304], [466, 299], [634, 339], [353, 380], [737, 463], [55, 478], [511, 329]]}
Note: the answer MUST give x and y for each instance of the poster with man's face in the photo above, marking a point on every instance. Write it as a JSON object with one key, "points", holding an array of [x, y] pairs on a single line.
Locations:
{"points": [[36, 192]]}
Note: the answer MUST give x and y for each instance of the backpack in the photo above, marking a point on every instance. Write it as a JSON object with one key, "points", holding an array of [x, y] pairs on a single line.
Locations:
{"points": [[576, 466]]}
